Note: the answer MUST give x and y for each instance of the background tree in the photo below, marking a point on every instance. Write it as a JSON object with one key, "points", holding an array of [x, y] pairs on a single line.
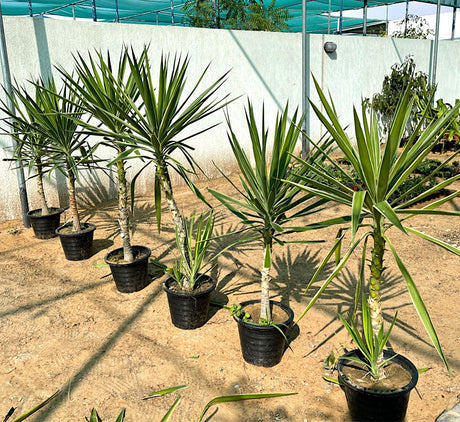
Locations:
{"points": [[417, 28], [250, 15], [402, 76]]}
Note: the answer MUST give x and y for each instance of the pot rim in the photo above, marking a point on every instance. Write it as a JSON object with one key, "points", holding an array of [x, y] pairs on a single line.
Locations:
{"points": [[285, 308], [56, 210], [89, 227], [398, 358], [169, 280], [122, 264]]}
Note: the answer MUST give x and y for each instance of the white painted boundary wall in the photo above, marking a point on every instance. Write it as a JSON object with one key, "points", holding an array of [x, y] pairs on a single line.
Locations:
{"points": [[266, 67]]}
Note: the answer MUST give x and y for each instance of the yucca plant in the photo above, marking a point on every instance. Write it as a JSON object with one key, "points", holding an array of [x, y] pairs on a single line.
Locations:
{"points": [[104, 93], [374, 210], [368, 343], [215, 401], [96, 418], [55, 114], [156, 129], [31, 145], [198, 235], [264, 204], [212, 402]]}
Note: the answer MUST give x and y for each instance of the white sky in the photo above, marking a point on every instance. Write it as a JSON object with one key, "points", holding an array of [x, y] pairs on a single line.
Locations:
{"points": [[428, 11]]}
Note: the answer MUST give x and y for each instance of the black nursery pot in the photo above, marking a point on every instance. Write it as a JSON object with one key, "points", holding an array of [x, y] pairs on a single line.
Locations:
{"points": [[130, 277], [263, 345], [189, 310], [367, 404], [45, 225], [77, 246]]}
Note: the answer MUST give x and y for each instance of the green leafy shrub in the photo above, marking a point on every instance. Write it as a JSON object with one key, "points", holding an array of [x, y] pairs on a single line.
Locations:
{"points": [[426, 167], [402, 76]]}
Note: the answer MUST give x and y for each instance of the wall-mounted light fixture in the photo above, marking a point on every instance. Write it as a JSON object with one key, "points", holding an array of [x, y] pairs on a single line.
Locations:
{"points": [[330, 47]]}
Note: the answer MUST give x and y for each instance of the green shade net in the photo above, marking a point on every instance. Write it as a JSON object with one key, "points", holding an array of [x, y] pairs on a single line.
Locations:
{"points": [[158, 12]]}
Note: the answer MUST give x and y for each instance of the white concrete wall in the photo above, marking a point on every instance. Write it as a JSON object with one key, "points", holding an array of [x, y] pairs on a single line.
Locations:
{"points": [[266, 67]]}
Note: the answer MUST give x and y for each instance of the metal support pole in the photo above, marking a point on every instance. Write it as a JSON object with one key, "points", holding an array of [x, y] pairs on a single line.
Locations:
{"points": [[365, 18], [305, 80], [387, 22], [406, 18], [31, 14], [341, 17], [214, 18], [7, 84], [454, 15], [329, 19], [436, 44], [172, 12], [117, 13], [93, 6]]}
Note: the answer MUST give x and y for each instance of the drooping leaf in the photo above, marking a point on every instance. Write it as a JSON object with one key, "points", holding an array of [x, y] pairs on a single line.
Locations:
{"points": [[419, 304]]}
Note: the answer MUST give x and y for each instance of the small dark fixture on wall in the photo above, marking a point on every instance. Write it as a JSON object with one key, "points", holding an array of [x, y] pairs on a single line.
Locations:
{"points": [[330, 47]]}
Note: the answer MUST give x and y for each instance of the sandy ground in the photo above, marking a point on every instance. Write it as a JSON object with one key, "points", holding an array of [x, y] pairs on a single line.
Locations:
{"points": [[63, 325]]}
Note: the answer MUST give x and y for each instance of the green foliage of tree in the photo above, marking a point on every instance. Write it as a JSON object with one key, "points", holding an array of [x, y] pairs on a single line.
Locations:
{"points": [[250, 15], [402, 76], [417, 28]]}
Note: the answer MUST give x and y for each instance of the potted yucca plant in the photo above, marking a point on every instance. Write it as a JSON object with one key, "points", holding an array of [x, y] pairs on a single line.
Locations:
{"points": [[374, 210], [266, 207], [55, 115], [189, 306], [31, 152], [103, 93], [159, 129]]}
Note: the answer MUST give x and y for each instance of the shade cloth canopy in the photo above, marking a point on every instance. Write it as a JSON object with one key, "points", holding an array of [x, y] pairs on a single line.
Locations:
{"points": [[170, 12]]}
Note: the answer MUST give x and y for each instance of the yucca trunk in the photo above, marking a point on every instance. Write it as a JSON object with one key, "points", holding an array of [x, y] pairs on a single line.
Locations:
{"points": [[40, 190], [73, 200], [123, 212], [265, 311], [376, 268], [165, 181]]}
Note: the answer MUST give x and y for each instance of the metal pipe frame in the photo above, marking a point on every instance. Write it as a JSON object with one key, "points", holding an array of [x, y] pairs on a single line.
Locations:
{"points": [[365, 18], [436, 44], [7, 84], [454, 16]]}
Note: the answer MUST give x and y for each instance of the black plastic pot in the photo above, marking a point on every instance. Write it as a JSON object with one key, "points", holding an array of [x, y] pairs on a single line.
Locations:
{"points": [[77, 246], [188, 310], [367, 404], [263, 345], [130, 277], [45, 225]]}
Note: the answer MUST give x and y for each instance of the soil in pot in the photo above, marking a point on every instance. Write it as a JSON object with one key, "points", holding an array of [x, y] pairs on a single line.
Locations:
{"points": [[385, 400], [264, 345], [129, 276], [45, 226], [76, 245], [189, 308], [396, 376]]}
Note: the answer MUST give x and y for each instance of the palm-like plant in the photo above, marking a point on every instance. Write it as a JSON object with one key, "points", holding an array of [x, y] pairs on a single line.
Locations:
{"points": [[154, 129], [104, 93], [198, 235], [265, 204], [30, 147], [374, 209], [55, 114]]}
